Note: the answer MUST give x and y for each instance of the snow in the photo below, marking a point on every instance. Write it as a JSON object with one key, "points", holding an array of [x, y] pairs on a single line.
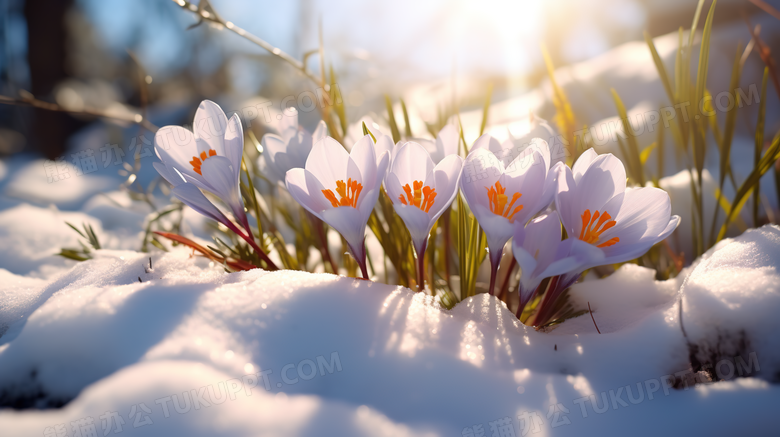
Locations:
{"points": [[31, 183], [104, 341], [32, 237], [732, 298]]}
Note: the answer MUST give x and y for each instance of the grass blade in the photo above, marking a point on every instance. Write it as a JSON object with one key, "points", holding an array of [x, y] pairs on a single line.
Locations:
{"points": [[76, 229], [764, 164], [485, 109], [728, 136], [408, 126], [759, 142], [391, 120], [634, 160], [659, 65]]}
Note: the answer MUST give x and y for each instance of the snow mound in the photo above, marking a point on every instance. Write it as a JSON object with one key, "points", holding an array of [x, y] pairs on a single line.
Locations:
{"points": [[32, 236], [624, 298], [45, 182], [296, 353], [732, 302]]}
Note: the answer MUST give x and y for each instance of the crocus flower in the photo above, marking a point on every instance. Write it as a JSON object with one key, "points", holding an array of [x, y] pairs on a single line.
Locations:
{"points": [[596, 207], [522, 133], [208, 159], [421, 192], [501, 196], [541, 254], [341, 188], [291, 147], [446, 143]]}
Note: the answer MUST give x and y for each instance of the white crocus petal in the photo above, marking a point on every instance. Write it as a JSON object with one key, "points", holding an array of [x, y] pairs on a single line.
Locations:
{"points": [[447, 142], [446, 177], [210, 126], [320, 132], [349, 223], [597, 191], [526, 175], [328, 162], [368, 199], [384, 144], [489, 143], [288, 124], [524, 132], [412, 163], [291, 147], [550, 187], [168, 173], [535, 248], [176, 147], [223, 182], [498, 230], [428, 145], [363, 156], [417, 222], [480, 170], [583, 162], [234, 143], [191, 196], [274, 148], [307, 191]]}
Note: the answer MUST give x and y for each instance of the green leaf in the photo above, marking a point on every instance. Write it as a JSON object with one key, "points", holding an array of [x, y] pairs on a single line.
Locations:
{"points": [[728, 136], [408, 128], [634, 162], [659, 65], [759, 141], [73, 254], [338, 101], [643, 157], [696, 16], [368, 132], [391, 120], [486, 109], [754, 178], [75, 229]]}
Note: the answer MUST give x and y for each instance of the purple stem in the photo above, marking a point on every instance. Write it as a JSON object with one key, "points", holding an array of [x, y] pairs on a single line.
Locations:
{"points": [[360, 257], [249, 239], [494, 263], [421, 266]]}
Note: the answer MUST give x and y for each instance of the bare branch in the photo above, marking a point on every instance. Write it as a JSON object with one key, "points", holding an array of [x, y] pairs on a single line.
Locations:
{"points": [[31, 101], [211, 16]]}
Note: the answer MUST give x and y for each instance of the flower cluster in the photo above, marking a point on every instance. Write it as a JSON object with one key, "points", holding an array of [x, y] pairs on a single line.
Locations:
{"points": [[515, 191]]}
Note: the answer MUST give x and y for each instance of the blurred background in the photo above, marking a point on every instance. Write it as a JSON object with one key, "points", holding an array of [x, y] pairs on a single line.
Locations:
{"points": [[128, 56]]}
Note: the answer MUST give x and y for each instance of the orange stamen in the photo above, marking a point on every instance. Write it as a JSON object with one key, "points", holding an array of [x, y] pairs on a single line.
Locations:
{"points": [[197, 162], [594, 225], [421, 197], [348, 192], [498, 202]]}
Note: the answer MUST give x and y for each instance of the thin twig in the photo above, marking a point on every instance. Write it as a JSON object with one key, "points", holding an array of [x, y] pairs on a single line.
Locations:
{"points": [[767, 8], [765, 53], [40, 104], [594, 320], [213, 17]]}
